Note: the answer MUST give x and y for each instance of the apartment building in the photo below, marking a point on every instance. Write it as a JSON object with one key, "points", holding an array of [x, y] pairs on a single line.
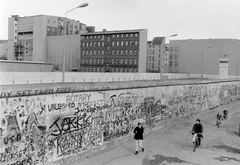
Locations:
{"points": [[114, 51], [198, 56], [27, 35], [156, 55]]}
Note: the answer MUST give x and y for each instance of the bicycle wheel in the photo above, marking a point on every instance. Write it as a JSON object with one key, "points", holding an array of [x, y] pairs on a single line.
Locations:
{"points": [[195, 144]]}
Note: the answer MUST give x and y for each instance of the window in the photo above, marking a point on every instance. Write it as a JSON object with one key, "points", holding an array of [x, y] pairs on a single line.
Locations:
{"points": [[99, 52], [86, 52], [99, 43], [113, 43], [130, 52], [117, 35], [83, 44], [122, 35], [98, 61], [171, 49], [121, 61], [121, 52], [126, 35], [150, 51], [86, 61], [113, 52], [176, 56], [102, 61], [126, 43], [90, 44], [86, 44], [130, 69], [83, 53], [170, 63], [117, 52], [94, 52], [149, 58], [135, 61], [102, 43], [122, 43], [113, 36], [94, 61], [136, 35], [135, 52], [90, 61], [108, 47], [131, 35], [112, 61], [136, 42], [117, 43], [171, 56], [90, 52], [108, 38], [126, 62], [126, 52], [102, 52], [176, 64], [176, 49], [130, 61]]}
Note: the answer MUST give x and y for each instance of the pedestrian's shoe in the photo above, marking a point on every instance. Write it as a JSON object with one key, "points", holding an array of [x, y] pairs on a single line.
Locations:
{"points": [[136, 152], [142, 149]]}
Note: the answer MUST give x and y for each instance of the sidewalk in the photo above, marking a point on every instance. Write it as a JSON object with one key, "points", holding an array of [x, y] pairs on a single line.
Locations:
{"points": [[172, 145]]}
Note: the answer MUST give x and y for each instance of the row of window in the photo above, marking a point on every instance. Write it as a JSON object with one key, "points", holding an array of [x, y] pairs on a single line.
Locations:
{"points": [[113, 61], [113, 69], [113, 52], [171, 56], [112, 35], [114, 43], [171, 49], [175, 64]]}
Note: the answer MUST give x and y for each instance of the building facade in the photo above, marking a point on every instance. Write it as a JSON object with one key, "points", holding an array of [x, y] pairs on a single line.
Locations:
{"points": [[202, 55], [27, 35], [114, 51], [156, 55]]}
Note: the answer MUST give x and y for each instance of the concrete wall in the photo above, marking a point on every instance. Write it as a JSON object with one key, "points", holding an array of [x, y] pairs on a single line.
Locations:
{"points": [[22, 66], [50, 77], [59, 123]]}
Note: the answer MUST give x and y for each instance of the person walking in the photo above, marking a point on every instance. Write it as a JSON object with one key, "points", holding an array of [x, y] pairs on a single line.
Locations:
{"points": [[138, 131]]}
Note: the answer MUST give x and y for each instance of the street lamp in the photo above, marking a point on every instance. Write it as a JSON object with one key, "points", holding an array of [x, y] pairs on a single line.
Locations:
{"points": [[65, 31], [202, 62], [161, 64]]}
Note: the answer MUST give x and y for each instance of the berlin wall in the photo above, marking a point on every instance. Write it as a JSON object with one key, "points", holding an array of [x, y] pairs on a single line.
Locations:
{"points": [[56, 123]]}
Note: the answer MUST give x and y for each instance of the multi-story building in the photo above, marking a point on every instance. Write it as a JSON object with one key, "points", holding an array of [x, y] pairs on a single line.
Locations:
{"points": [[202, 55], [27, 35], [155, 54], [114, 51]]}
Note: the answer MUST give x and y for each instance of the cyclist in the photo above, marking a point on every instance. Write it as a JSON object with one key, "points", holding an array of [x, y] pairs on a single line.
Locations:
{"points": [[225, 113], [218, 116], [197, 129]]}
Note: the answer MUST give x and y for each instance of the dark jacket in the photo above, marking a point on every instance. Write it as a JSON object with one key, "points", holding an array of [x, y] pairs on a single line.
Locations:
{"points": [[197, 128], [138, 133]]}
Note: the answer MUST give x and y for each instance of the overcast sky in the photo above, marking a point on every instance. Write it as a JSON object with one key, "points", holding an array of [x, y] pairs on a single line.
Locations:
{"points": [[196, 19]]}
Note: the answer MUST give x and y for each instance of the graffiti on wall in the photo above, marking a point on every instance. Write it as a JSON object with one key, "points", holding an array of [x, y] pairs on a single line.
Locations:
{"points": [[47, 128]]}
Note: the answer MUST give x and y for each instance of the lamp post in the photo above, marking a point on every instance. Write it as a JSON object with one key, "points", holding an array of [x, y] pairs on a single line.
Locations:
{"points": [[202, 62], [161, 64], [64, 42]]}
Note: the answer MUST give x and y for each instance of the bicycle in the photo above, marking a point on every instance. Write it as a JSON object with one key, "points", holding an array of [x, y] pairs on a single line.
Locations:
{"points": [[218, 122], [197, 142]]}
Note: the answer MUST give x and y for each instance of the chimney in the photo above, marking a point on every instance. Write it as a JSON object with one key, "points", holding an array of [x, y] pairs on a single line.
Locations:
{"points": [[104, 30]]}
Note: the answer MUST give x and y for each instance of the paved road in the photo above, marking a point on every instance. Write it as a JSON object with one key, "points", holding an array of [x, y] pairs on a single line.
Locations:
{"points": [[172, 145]]}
